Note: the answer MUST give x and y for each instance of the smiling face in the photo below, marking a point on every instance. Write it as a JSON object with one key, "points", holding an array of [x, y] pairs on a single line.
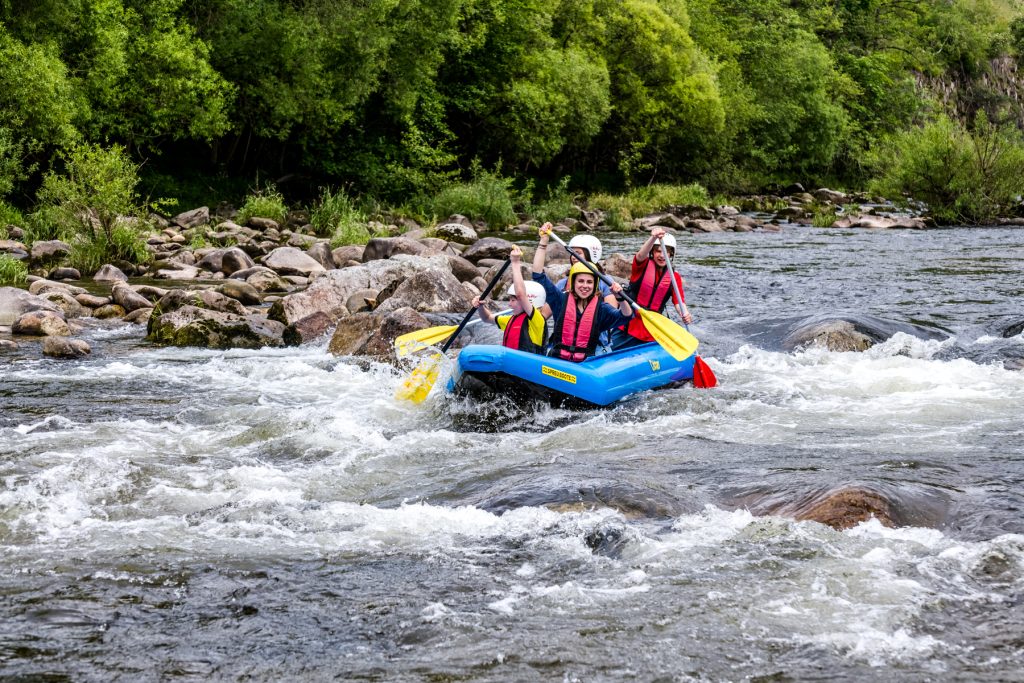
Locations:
{"points": [[659, 258], [583, 285]]}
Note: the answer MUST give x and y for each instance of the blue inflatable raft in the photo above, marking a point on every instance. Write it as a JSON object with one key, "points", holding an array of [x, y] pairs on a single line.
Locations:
{"points": [[598, 381]]}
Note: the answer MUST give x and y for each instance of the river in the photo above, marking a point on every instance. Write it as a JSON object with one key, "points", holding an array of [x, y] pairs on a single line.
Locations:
{"points": [[182, 514]]}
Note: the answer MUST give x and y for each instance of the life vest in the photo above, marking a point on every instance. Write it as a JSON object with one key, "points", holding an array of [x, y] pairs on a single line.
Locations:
{"points": [[517, 334], [652, 293], [576, 334]]}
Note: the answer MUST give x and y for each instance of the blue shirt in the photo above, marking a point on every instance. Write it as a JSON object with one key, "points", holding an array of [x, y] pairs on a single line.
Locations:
{"points": [[606, 317]]}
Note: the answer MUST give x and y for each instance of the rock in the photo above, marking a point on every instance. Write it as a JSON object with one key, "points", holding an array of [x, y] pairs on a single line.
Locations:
{"points": [[193, 218], [8, 345], [488, 247], [234, 259], [462, 268], [795, 188], [434, 243], [291, 261], [67, 304], [150, 292], [139, 316], [65, 274], [41, 286], [834, 335], [182, 272], [457, 232], [111, 311], [62, 347], [41, 324], [266, 280], [308, 329], [331, 292], [204, 299], [15, 302], [823, 194], [431, 292], [363, 300], [127, 298], [91, 300], [261, 223], [848, 507], [321, 253], [1013, 330], [353, 333], [109, 273], [351, 252], [192, 326], [49, 250], [386, 247], [13, 248], [618, 265], [300, 241], [240, 291]]}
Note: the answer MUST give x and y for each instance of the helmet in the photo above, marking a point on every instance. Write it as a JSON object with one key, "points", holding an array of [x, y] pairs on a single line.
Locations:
{"points": [[588, 242], [669, 241], [534, 292], [578, 269]]}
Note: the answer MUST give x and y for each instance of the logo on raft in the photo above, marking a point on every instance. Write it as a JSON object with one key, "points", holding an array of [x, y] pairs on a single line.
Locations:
{"points": [[558, 374]]}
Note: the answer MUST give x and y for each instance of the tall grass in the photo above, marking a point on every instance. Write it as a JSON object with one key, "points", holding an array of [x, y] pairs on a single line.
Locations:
{"points": [[488, 197], [263, 203], [13, 272], [123, 244], [560, 203], [336, 216], [9, 216], [621, 209]]}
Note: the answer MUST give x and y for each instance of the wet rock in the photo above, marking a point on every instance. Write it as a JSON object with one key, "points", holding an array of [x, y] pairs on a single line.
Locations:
{"points": [[309, 328], [192, 326], [204, 299], [150, 292], [193, 218], [41, 287], [64, 347], [1013, 330], [351, 252], [266, 280], [331, 292], [457, 232], [353, 333], [834, 335], [139, 316], [321, 253], [65, 274], [179, 272], [431, 292], [41, 324], [366, 334], [386, 247], [91, 300], [488, 247], [109, 273], [824, 194], [111, 311], [848, 507], [67, 304], [240, 291], [127, 298], [291, 261], [363, 300], [15, 302], [8, 345], [234, 259]]}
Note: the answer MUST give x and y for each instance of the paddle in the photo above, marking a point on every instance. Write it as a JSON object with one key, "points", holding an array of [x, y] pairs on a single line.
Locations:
{"points": [[679, 343], [429, 336], [703, 376], [417, 385]]}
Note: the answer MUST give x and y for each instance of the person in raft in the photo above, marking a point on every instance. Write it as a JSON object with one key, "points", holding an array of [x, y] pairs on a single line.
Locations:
{"points": [[649, 286], [580, 315], [523, 329], [589, 248]]}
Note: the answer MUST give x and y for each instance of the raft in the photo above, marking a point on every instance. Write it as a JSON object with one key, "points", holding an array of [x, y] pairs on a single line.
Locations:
{"points": [[481, 370]]}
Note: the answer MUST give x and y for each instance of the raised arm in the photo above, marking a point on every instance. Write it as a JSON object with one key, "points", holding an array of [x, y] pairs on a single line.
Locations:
{"points": [[518, 286], [482, 311], [541, 256], [645, 250]]}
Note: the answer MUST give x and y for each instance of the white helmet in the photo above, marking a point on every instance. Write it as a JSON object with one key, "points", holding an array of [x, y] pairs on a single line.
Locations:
{"points": [[590, 243], [669, 241], [534, 292]]}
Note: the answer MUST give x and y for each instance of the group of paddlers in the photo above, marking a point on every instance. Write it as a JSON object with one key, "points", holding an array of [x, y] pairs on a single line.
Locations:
{"points": [[590, 315]]}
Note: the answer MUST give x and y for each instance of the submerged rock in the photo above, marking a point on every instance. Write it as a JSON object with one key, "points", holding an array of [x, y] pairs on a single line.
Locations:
{"points": [[834, 335], [848, 507], [63, 347]]}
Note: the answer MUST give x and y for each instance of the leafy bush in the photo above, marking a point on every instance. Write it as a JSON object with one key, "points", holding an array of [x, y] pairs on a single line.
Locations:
{"points": [[265, 203], [559, 204], [645, 200], [336, 216], [963, 175], [93, 205], [488, 197], [9, 215], [12, 271]]}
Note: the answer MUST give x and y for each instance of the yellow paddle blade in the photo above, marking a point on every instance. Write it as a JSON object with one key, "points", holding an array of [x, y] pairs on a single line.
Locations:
{"points": [[417, 385], [421, 339], [679, 343]]}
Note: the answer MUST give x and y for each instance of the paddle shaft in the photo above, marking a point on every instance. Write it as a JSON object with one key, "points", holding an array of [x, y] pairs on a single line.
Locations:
{"points": [[483, 295], [675, 285]]}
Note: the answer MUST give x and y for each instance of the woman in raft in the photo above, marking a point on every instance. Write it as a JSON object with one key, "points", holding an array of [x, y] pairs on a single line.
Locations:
{"points": [[524, 329], [580, 315], [650, 286]]}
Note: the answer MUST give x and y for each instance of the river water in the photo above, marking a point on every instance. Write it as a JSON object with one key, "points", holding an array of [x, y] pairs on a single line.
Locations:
{"points": [[181, 514]]}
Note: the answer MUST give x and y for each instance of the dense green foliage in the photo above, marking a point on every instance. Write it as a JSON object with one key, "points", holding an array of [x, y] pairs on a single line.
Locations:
{"points": [[13, 273], [396, 99]]}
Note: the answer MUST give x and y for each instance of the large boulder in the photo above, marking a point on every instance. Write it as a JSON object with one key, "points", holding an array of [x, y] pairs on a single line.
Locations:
{"points": [[41, 324], [16, 302], [205, 299], [67, 304], [127, 298], [49, 250], [240, 291], [109, 273], [488, 248], [428, 292], [192, 326], [464, 270], [292, 261], [331, 292], [351, 252], [309, 328], [233, 260], [618, 265], [367, 334], [63, 347], [848, 507], [193, 218], [834, 335], [321, 252], [353, 333], [40, 287], [457, 232]]}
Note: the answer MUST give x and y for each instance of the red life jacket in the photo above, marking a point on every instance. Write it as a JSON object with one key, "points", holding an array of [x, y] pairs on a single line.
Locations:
{"points": [[517, 334], [576, 333], [651, 292]]}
